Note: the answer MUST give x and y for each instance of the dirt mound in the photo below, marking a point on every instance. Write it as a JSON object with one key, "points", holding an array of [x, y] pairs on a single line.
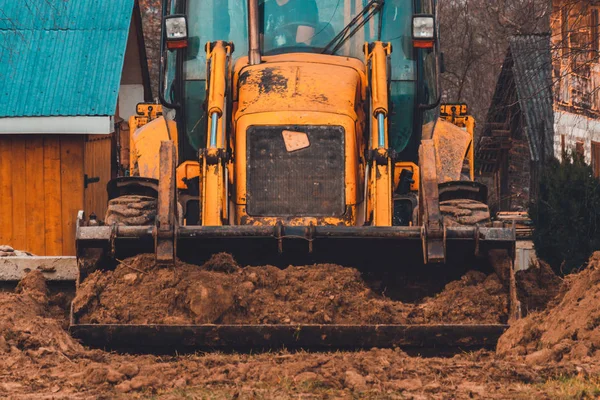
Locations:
{"points": [[38, 359], [139, 292], [322, 294], [568, 329], [475, 298], [537, 286], [26, 322]]}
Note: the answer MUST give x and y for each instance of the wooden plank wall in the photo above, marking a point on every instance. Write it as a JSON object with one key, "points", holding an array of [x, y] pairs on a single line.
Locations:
{"points": [[41, 190], [97, 164]]}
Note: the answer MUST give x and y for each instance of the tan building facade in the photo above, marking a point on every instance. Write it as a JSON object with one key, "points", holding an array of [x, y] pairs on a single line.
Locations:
{"points": [[575, 43]]}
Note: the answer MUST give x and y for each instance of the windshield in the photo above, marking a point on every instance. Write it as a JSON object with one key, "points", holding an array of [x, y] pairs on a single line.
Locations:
{"points": [[302, 26], [308, 25]]}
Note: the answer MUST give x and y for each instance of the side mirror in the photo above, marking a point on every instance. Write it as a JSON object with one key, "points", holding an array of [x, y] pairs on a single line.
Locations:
{"points": [[423, 31], [176, 34]]}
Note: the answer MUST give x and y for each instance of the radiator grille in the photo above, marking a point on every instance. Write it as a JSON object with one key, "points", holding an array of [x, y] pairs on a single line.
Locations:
{"points": [[300, 183]]}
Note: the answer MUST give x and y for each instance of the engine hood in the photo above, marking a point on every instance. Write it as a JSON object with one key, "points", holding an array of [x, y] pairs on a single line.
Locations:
{"points": [[299, 86]]}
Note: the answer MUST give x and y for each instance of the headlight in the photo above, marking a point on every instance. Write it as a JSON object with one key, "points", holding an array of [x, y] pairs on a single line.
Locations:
{"points": [[176, 27], [424, 27]]}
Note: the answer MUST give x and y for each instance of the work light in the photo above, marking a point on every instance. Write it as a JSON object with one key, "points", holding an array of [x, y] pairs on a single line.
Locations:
{"points": [[423, 31], [176, 31]]}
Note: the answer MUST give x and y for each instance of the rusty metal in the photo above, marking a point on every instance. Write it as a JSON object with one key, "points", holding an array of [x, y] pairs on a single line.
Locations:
{"points": [[463, 190], [513, 301], [397, 246], [254, 56], [132, 185], [186, 338], [166, 220], [453, 233], [434, 246]]}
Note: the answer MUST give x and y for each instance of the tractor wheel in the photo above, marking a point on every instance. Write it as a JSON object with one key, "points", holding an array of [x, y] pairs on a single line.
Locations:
{"points": [[131, 210], [465, 212]]}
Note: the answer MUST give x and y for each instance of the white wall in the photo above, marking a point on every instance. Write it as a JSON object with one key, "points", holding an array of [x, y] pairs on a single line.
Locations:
{"points": [[57, 125], [575, 128], [129, 97]]}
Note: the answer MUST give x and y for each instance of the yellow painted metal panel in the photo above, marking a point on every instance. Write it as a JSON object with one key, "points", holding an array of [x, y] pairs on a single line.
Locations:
{"points": [[297, 87], [451, 145]]}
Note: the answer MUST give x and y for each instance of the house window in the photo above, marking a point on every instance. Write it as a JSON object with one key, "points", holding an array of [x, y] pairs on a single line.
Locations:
{"points": [[563, 146], [596, 158], [579, 149]]}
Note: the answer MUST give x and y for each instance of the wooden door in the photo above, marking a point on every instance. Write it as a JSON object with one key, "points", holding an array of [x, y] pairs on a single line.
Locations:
{"points": [[41, 191], [98, 172]]}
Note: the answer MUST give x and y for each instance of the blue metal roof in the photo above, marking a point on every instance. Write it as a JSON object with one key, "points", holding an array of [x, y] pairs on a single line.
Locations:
{"points": [[62, 57]]}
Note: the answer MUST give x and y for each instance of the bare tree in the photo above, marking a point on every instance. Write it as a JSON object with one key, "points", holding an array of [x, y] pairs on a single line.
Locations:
{"points": [[475, 36], [151, 21]]}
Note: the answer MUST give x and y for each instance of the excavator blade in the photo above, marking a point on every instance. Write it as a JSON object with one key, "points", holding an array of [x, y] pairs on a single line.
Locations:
{"points": [[399, 248], [188, 338], [366, 248]]}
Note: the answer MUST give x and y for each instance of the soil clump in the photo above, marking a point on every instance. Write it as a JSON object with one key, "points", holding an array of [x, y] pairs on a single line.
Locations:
{"points": [[569, 329], [139, 292]]}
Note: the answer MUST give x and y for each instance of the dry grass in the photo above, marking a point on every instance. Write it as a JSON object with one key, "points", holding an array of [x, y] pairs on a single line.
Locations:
{"points": [[572, 387]]}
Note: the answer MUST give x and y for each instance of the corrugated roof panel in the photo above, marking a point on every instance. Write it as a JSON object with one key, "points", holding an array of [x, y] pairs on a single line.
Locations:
{"points": [[64, 14], [533, 79], [62, 57]]}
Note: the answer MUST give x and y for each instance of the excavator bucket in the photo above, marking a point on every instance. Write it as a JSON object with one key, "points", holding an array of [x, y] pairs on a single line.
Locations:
{"points": [[157, 339], [368, 248]]}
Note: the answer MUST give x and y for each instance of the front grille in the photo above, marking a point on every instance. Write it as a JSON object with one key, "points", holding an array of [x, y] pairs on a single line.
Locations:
{"points": [[301, 183]]}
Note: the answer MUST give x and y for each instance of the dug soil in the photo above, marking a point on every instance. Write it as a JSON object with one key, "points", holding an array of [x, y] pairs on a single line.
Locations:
{"points": [[569, 329], [139, 292], [39, 360]]}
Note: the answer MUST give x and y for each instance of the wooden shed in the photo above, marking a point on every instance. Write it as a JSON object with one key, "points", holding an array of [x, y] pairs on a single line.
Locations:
{"points": [[71, 71]]}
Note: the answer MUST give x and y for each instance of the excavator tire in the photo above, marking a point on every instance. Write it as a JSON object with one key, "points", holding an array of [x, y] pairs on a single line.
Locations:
{"points": [[131, 210], [465, 212]]}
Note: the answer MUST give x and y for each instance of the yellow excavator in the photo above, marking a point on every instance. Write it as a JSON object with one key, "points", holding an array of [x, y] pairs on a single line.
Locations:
{"points": [[298, 130]]}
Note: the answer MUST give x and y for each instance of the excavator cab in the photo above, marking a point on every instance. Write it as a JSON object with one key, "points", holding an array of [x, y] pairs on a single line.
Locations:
{"points": [[299, 130], [334, 28]]}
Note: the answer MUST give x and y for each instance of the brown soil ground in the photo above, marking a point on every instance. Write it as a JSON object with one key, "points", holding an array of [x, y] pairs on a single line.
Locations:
{"points": [[39, 360], [568, 329], [139, 292]]}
